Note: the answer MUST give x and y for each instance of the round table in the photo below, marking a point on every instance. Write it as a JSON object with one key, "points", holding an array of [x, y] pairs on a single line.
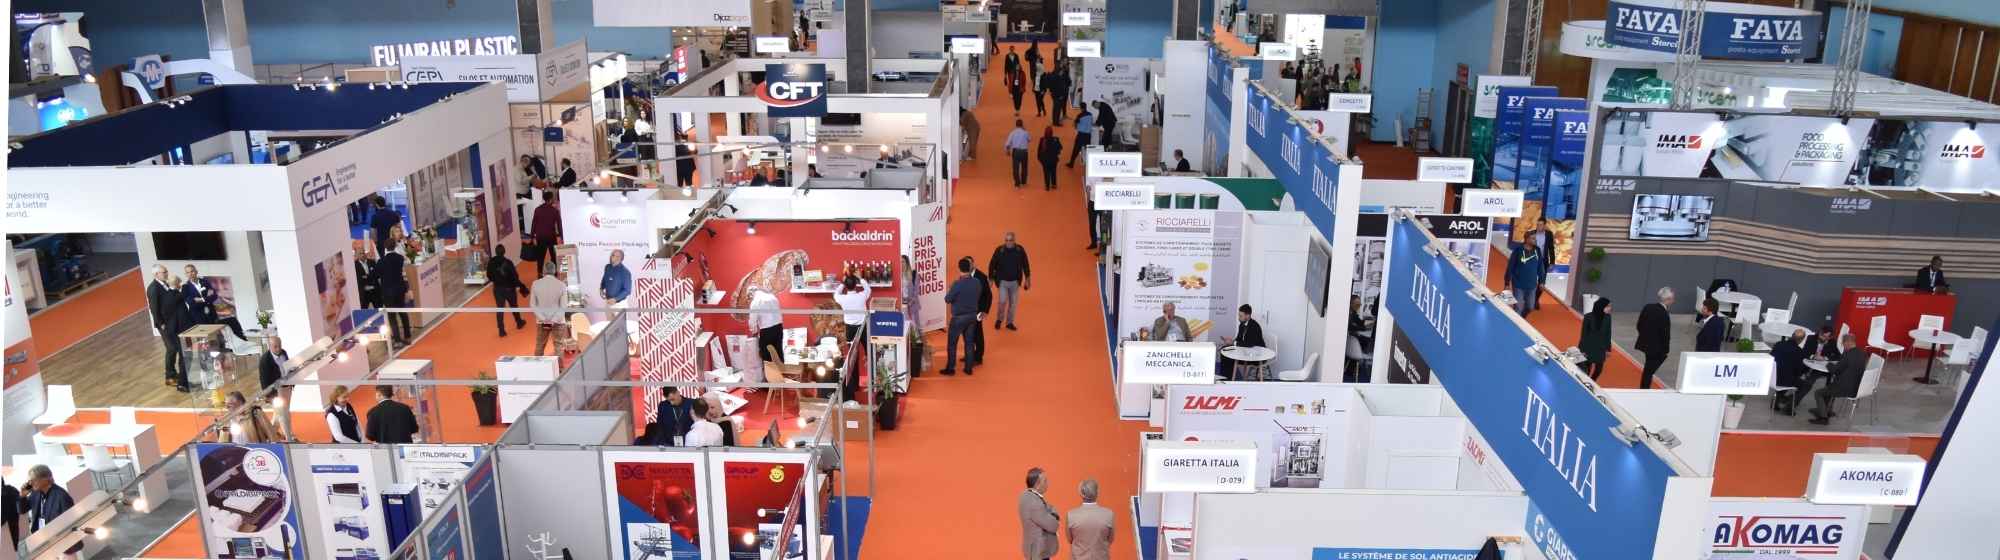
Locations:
{"points": [[1257, 358], [1774, 332], [1819, 365], [1734, 298], [1936, 338]]}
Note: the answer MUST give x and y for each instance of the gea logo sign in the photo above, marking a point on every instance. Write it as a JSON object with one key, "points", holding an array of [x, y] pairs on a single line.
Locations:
{"points": [[322, 187], [1962, 151], [1677, 142], [794, 90], [1215, 403]]}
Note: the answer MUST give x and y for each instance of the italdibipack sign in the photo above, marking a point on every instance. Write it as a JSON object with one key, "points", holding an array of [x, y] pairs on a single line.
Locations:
{"points": [[1593, 493]]}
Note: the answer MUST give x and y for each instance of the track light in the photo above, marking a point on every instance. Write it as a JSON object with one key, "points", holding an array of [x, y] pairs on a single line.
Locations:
{"points": [[1972, 125], [1430, 250], [687, 191], [752, 229], [1478, 293]]}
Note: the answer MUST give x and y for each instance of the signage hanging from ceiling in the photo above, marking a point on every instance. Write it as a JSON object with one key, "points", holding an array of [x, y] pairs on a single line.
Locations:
{"points": [[1214, 467], [794, 90], [1350, 102], [1079, 48], [1109, 196], [677, 13], [1865, 479], [1444, 169], [773, 44], [1074, 19], [1727, 373], [1785, 528], [151, 70], [1728, 29], [1277, 51], [1114, 164], [1492, 203], [968, 44], [387, 55]]}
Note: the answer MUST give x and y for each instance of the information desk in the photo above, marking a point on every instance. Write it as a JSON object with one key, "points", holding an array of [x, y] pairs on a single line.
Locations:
{"points": [[1901, 305]]}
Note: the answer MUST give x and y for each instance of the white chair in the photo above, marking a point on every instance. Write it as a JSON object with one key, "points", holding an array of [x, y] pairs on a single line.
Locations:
{"points": [[1843, 333], [1978, 341], [1304, 372], [1792, 305], [58, 408], [1747, 316], [1700, 295], [1871, 378], [1876, 326], [1359, 356], [1928, 322], [1956, 361], [1773, 316]]}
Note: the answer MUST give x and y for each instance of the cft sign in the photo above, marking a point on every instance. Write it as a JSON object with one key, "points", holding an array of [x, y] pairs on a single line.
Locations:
{"points": [[794, 90], [1728, 29]]}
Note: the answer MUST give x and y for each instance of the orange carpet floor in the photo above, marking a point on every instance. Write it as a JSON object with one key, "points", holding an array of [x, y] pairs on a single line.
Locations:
{"points": [[74, 319]]}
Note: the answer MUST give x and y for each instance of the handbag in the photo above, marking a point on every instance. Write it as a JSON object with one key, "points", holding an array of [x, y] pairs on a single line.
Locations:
{"points": [[531, 251]]}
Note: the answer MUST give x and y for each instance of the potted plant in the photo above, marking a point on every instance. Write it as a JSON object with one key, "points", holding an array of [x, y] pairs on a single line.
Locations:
{"points": [[888, 401], [486, 400], [1596, 270]]}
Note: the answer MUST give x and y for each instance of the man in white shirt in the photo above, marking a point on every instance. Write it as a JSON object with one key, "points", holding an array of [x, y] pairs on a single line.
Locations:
{"points": [[769, 324], [703, 432], [546, 298], [1017, 148], [853, 298]]}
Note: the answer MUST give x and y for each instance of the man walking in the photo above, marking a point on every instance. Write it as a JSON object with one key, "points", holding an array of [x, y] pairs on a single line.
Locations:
{"points": [[1009, 267], [546, 298], [1056, 82], [394, 289], [507, 288], [1084, 122], [963, 299], [1038, 519], [1655, 330], [1017, 148], [1090, 529], [1016, 83], [546, 228], [1049, 151], [1524, 275]]}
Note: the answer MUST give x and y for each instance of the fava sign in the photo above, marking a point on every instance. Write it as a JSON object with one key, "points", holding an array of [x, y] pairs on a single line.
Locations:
{"points": [[794, 90], [1728, 29]]}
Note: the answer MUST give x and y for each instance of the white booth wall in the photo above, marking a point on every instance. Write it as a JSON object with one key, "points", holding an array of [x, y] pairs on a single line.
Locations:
{"points": [[242, 265], [1285, 523]]}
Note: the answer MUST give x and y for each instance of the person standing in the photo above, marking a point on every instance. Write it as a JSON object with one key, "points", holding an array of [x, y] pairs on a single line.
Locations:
{"points": [[364, 271], [1090, 527], [1524, 275], [546, 229], [507, 288], [1709, 327], [1107, 125], [616, 284], [42, 500], [1017, 148], [1050, 153], [969, 125], [341, 422], [1013, 61], [1084, 125], [683, 162], [567, 179], [977, 354], [1595, 338], [767, 322], [1056, 82], [701, 431], [394, 289], [963, 300], [391, 421], [1655, 332], [1038, 519], [10, 512], [546, 298], [199, 297], [1009, 267], [1035, 75], [271, 366], [1017, 82], [1930, 279], [164, 303], [672, 417], [1845, 383], [853, 300], [384, 223]]}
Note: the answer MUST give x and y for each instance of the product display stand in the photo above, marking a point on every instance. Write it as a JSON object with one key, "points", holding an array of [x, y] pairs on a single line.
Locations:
{"points": [[516, 398], [566, 263], [469, 215], [208, 363]]}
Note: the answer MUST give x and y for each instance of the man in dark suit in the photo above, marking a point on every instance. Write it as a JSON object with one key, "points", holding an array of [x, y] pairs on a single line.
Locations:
{"points": [[975, 352], [271, 366], [383, 222], [1708, 338], [1930, 279], [1846, 381], [364, 274], [672, 417], [199, 297], [507, 288], [391, 421], [1790, 357], [393, 289], [169, 310], [1655, 333], [568, 177], [1249, 333]]}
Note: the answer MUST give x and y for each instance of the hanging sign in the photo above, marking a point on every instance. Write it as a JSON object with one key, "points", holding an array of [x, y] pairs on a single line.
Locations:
{"points": [[1115, 164], [1774, 528], [151, 70], [794, 90], [1350, 102], [1492, 203], [773, 44], [1074, 19], [1215, 467], [387, 55], [1277, 51], [1728, 29], [1727, 373], [968, 45], [1085, 49], [1865, 479], [1109, 196], [1167, 363], [1444, 169]]}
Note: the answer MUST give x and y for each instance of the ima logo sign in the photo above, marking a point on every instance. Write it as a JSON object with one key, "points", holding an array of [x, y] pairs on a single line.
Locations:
{"points": [[794, 90], [1678, 142], [1962, 151]]}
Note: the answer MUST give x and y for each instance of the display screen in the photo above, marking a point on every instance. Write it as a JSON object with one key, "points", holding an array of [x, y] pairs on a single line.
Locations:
{"points": [[189, 246], [1671, 217], [1318, 263], [841, 119]]}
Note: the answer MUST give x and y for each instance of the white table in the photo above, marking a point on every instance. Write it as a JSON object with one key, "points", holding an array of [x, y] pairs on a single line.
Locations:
{"points": [[138, 439], [1775, 332], [1819, 365], [1257, 357], [811, 355], [1937, 339], [1734, 298]]}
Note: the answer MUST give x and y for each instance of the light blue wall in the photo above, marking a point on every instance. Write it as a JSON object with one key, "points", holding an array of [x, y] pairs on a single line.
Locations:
{"points": [[1405, 53], [1885, 34], [1465, 36], [1137, 28], [1973, 11]]}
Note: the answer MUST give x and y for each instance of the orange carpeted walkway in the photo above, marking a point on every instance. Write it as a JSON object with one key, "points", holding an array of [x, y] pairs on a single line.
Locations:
{"points": [[1560, 325], [951, 473], [74, 319]]}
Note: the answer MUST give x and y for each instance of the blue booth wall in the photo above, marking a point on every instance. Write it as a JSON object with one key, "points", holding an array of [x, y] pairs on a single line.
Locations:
{"points": [[1137, 28], [1419, 44]]}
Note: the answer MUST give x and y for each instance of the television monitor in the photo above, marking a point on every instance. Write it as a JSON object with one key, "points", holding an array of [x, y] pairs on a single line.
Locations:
{"points": [[1671, 217], [841, 119], [189, 246], [1319, 263]]}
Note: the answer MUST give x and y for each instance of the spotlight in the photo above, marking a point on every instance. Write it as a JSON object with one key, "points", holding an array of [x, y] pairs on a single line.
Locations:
{"points": [[752, 228], [1624, 434], [687, 191], [1972, 125], [1843, 120], [1479, 293], [711, 232], [141, 505], [1430, 250]]}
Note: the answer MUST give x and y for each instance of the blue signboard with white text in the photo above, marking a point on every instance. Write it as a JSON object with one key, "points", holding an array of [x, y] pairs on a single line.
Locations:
{"points": [[482, 511], [1599, 495], [1538, 137], [1215, 140], [1296, 158], [794, 90], [1728, 29], [1566, 164], [1511, 122]]}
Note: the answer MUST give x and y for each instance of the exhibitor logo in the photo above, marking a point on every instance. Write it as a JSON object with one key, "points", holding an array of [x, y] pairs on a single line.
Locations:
{"points": [[1779, 534], [1850, 205], [861, 236], [1213, 404], [325, 186], [1962, 151], [1677, 142], [601, 221], [423, 74], [794, 90]]}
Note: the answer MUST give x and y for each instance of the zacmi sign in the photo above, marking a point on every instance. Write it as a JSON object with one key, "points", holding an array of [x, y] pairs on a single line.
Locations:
{"points": [[1593, 493]]}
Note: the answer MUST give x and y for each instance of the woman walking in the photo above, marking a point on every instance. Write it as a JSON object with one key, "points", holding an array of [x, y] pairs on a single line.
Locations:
{"points": [[1595, 339], [1050, 153]]}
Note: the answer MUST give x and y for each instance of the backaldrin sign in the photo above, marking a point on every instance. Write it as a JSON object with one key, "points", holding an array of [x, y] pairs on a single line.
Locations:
{"points": [[1592, 495], [794, 90]]}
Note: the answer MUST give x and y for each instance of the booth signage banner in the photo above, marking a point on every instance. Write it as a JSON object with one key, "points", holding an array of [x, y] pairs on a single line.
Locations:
{"points": [[1109, 196], [1492, 203], [1480, 129], [1728, 29], [498, 45], [1727, 373], [1350, 102], [1302, 431], [435, 467], [655, 503], [350, 500], [1309, 172], [1444, 169], [1167, 363], [1086, 49], [1511, 124], [1658, 143], [1075, 19], [679, 13], [24, 396], [1586, 39], [516, 71], [564, 68], [1602, 496], [757, 498], [250, 510], [1122, 84], [446, 539], [1115, 164], [1323, 553], [1215, 467], [1188, 258], [1811, 151], [598, 223], [794, 90], [1865, 479], [968, 45], [772, 44], [1277, 51], [1215, 123], [1768, 529], [482, 506], [151, 70], [1537, 151], [927, 248], [1462, 235], [1564, 184]]}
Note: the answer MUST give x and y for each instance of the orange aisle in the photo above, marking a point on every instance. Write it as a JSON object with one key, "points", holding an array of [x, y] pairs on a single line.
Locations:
{"points": [[1560, 325], [72, 320], [951, 473]]}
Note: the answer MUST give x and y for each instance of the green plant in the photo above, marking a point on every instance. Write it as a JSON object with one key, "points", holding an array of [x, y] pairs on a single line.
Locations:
{"points": [[484, 389], [1733, 399], [1596, 254], [1746, 345], [264, 319], [1593, 275]]}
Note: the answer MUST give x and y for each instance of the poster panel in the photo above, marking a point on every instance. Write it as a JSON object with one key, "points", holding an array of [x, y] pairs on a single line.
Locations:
{"points": [[534, 528], [435, 469], [1301, 430], [349, 500], [482, 511], [247, 505], [1464, 235], [1188, 258], [757, 491], [1786, 530], [1811, 151], [1510, 124], [1659, 144], [655, 503], [1119, 83], [1480, 129], [24, 398], [796, 261], [598, 223], [1931, 154], [928, 256], [502, 196], [1536, 147], [330, 279], [1566, 157]]}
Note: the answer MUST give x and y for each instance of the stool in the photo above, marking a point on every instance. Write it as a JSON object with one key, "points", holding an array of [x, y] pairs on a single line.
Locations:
{"points": [[103, 470], [1786, 395]]}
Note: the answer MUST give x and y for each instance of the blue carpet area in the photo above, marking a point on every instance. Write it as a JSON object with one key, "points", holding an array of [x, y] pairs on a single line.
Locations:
{"points": [[1149, 543], [848, 542]]}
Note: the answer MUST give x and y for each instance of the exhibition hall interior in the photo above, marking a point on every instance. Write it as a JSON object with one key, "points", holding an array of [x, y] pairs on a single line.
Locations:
{"points": [[754, 279]]}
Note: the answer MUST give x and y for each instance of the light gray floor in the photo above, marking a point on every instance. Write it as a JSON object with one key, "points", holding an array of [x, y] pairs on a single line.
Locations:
{"points": [[1899, 406]]}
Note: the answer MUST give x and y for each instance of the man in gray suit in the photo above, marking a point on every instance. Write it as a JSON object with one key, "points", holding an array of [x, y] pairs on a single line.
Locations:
{"points": [[1846, 382], [1038, 519], [1090, 528]]}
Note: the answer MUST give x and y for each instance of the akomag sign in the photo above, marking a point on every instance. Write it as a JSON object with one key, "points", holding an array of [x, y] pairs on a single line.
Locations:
{"points": [[1598, 495], [1866, 479], [1786, 528], [794, 90]]}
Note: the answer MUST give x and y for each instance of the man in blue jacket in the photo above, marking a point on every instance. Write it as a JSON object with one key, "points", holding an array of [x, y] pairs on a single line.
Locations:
{"points": [[1524, 275], [617, 282], [1709, 338], [963, 299]]}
